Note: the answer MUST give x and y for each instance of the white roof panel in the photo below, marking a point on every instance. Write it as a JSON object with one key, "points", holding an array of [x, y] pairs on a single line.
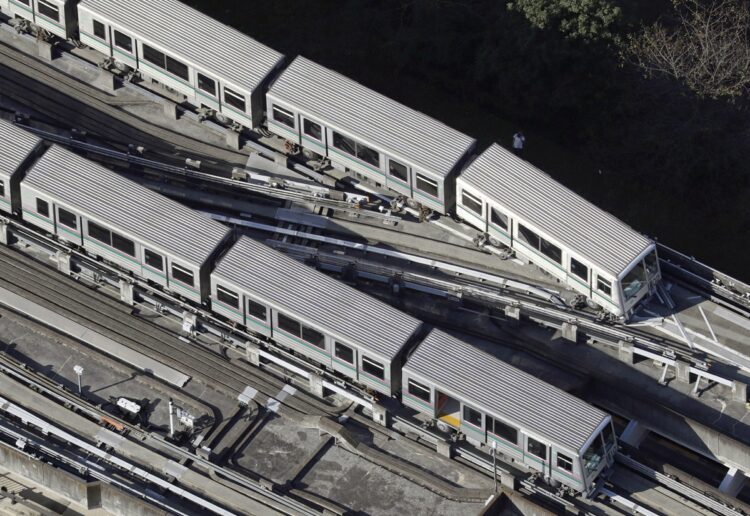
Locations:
{"points": [[370, 117], [15, 146], [122, 204], [533, 196], [191, 35]]}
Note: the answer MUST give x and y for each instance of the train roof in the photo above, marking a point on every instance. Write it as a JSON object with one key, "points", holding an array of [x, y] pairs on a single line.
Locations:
{"points": [[311, 296], [187, 33], [533, 196], [491, 385], [121, 204], [15, 146], [365, 115]]}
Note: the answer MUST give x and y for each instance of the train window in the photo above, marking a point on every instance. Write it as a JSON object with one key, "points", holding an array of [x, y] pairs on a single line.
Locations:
{"points": [[500, 429], [419, 391], [182, 274], [603, 285], [2, 188], [234, 99], [608, 435], [284, 116], [312, 129], [398, 170], [471, 202], [24, 2], [123, 244], [154, 56], [227, 297], [472, 416], [153, 260], [528, 236], [100, 233], [634, 281], [427, 185], [343, 352], [177, 68], [289, 325], [536, 448], [207, 84], [123, 41], [593, 457], [499, 219], [564, 462], [256, 310], [551, 251], [652, 263], [48, 9], [368, 155], [67, 218], [579, 269], [42, 207], [314, 337], [373, 368], [345, 144], [99, 30]]}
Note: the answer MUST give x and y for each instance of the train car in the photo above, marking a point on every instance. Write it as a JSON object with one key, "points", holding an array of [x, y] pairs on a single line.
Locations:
{"points": [[361, 130], [313, 314], [17, 148], [58, 17], [212, 64], [122, 222], [589, 250], [495, 405]]}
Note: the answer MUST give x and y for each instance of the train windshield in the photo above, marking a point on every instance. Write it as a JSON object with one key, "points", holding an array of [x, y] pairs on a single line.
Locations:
{"points": [[594, 455], [652, 264], [634, 281]]}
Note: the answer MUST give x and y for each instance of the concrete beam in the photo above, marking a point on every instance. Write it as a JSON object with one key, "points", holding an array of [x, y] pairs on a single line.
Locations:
{"points": [[733, 482], [233, 140], [4, 232], [106, 81], [569, 332], [45, 50], [625, 352], [126, 292], [634, 434], [316, 384], [252, 352], [379, 414]]}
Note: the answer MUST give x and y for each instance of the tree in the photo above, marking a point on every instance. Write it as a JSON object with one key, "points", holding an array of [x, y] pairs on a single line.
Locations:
{"points": [[576, 19], [705, 46]]}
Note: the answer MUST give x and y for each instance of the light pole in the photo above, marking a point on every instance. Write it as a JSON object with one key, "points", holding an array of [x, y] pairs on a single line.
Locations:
{"points": [[79, 372]]}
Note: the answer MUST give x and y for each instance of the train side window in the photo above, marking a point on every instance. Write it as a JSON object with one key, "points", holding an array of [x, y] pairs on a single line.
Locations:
{"points": [[551, 251], [153, 260], [427, 185], [99, 30], [24, 2], [123, 41], [498, 219], [181, 274], [178, 68], [579, 269], [472, 416], [314, 337], [256, 310], [123, 244], [604, 286], [536, 448], [419, 391], [312, 129], [234, 99], [66, 218], [284, 116], [471, 202], [154, 56], [289, 325], [398, 170], [528, 236], [207, 84], [100, 233], [368, 155], [373, 368], [345, 144], [343, 352], [500, 429], [2, 188], [48, 9], [42, 207], [564, 462], [227, 297]]}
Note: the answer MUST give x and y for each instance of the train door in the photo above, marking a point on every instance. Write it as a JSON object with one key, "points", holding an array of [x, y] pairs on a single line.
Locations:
{"points": [[69, 226], [448, 410], [345, 359], [314, 138], [398, 178], [580, 276], [537, 455]]}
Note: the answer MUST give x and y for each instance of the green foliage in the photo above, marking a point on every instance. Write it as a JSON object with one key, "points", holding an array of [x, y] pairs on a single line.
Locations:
{"points": [[577, 19]]}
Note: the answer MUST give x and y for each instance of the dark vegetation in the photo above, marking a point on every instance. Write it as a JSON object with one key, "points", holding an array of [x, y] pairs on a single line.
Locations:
{"points": [[631, 103]]}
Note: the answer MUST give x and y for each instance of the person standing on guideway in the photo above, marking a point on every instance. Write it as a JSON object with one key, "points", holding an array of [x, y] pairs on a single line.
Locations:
{"points": [[518, 142]]}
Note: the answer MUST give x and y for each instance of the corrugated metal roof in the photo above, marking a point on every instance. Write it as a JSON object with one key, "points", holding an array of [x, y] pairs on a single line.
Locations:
{"points": [[533, 196], [460, 369], [15, 146], [125, 205], [370, 117], [303, 292], [191, 35]]}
